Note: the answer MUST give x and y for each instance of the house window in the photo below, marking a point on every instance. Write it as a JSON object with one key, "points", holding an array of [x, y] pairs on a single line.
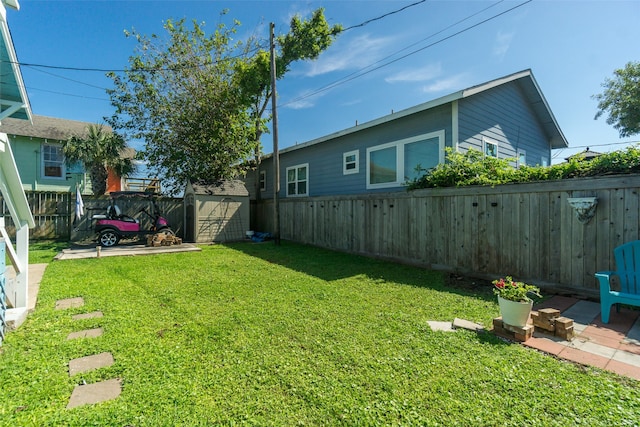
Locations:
{"points": [[350, 162], [52, 161], [490, 148], [298, 180], [545, 161], [521, 159], [395, 163], [263, 181]]}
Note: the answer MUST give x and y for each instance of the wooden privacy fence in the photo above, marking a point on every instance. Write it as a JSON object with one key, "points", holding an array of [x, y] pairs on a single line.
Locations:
{"points": [[171, 208], [54, 214], [528, 231], [51, 211]]}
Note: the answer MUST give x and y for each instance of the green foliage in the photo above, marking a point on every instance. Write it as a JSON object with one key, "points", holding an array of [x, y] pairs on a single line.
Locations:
{"points": [[97, 151], [473, 168], [198, 101], [470, 168], [257, 334], [179, 98], [512, 290], [621, 100]]}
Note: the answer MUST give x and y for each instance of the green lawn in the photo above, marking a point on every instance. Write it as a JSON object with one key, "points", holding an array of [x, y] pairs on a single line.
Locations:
{"points": [[254, 334]]}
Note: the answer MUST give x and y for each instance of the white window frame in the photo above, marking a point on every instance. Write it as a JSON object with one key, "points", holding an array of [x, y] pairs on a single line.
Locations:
{"points": [[263, 181], [520, 155], [400, 179], [345, 156], [286, 178], [63, 166], [486, 142]]}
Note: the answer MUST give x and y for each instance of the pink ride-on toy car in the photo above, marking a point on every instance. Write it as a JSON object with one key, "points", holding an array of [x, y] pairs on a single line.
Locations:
{"points": [[115, 226]]}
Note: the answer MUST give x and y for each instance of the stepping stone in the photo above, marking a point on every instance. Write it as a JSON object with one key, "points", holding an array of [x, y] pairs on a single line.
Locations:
{"points": [[89, 363], [95, 393], [466, 324], [441, 326], [91, 315], [63, 304], [87, 333]]}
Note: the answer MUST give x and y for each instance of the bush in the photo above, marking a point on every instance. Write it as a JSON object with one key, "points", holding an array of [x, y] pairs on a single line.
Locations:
{"points": [[473, 168]]}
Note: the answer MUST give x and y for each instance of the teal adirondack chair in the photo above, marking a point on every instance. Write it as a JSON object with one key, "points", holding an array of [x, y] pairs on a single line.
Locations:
{"points": [[627, 258]]}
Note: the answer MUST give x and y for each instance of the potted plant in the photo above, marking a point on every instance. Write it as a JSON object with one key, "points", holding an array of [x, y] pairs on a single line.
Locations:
{"points": [[514, 301]]}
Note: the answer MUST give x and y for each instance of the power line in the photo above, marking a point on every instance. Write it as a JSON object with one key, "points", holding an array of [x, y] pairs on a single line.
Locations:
{"points": [[111, 70], [366, 70], [67, 78], [562, 150], [383, 16]]}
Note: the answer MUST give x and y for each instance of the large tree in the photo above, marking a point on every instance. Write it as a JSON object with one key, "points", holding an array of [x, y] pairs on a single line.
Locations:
{"points": [[98, 150], [621, 100], [198, 101]]}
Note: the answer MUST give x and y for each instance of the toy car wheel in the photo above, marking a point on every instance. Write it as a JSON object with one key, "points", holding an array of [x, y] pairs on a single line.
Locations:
{"points": [[109, 238]]}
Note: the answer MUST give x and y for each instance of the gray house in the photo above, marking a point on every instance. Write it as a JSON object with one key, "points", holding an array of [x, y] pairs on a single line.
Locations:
{"points": [[506, 118]]}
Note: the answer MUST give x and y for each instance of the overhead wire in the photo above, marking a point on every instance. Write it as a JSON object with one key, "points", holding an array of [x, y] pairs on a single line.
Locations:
{"points": [[559, 152], [38, 67], [359, 73], [368, 21], [369, 69]]}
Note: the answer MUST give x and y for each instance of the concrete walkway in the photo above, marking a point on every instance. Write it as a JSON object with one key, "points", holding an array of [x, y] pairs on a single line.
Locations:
{"points": [[93, 251]]}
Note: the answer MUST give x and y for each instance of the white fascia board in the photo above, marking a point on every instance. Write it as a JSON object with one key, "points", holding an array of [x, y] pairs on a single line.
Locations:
{"points": [[12, 4], [15, 67]]}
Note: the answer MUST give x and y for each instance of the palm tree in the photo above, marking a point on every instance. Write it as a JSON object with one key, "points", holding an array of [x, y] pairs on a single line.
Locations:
{"points": [[99, 150]]}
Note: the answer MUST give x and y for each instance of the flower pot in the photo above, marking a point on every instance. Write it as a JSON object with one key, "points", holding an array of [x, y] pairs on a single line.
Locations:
{"points": [[515, 313]]}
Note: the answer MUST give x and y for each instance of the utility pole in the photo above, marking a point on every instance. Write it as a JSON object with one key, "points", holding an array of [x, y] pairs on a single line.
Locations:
{"points": [[276, 155]]}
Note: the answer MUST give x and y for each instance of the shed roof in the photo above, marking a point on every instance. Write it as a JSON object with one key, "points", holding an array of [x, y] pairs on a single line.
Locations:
{"points": [[220, 188], [524, 79], [46, 128]]}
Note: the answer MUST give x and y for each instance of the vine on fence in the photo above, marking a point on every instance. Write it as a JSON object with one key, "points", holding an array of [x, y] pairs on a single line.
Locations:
{"points": [[473, 168]]}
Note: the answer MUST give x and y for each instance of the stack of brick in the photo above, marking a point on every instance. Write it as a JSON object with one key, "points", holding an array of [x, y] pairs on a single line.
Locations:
{"points": [[512, 332], [163, 239], [548, 320]]}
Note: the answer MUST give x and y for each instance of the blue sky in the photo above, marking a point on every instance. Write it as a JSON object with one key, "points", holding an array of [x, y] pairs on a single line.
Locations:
{"points": [[571, 47]]}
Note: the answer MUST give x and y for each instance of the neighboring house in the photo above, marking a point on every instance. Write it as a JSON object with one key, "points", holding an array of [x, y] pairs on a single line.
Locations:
{"points": [[37, 148], [506, 118], [584, 155]]}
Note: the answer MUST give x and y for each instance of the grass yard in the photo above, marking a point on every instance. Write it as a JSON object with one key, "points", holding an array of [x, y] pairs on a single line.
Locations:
{"points": [[254, 334]]}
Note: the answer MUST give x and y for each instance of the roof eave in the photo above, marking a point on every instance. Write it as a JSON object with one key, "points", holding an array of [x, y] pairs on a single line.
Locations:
{"points": [[20, 108]]}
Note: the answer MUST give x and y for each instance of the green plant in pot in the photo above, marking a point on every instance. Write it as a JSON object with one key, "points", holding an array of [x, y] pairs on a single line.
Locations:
{"points": [[514, 300]]}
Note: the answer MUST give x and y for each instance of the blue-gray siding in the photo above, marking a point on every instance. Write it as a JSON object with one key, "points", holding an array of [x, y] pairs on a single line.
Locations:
{"points": [[502, 115], [325, 159]]}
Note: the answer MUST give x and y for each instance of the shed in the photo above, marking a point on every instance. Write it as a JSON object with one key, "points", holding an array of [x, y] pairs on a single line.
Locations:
{"points": [[216, 211]]}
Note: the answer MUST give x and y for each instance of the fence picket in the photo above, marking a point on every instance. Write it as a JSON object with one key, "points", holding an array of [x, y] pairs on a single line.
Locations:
{"points": [[525, 230]]}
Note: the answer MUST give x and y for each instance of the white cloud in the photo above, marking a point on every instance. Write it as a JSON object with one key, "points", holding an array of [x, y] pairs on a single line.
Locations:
{"points": [[357, 53], [502, 44], [425, 73], [301, 104], [448, 84]]}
